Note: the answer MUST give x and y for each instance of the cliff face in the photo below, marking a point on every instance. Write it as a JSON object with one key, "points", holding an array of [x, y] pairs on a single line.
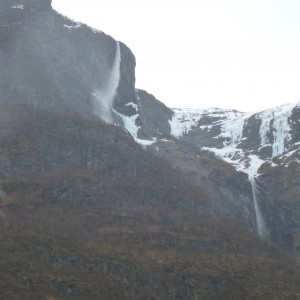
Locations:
{"points": [[228, 192], [50, 62], [278, 194], [153, 117]]}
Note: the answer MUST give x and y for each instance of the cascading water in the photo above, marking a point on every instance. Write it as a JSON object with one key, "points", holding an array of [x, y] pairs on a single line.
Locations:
{"points": [[104, 98], [261, 227]]}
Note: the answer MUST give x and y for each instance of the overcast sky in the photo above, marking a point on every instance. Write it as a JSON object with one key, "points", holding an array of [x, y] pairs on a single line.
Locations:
{"points": [[242, 54]]}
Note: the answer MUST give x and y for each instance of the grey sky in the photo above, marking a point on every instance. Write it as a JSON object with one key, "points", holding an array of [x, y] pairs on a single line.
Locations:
{"points": [[242, 54]]}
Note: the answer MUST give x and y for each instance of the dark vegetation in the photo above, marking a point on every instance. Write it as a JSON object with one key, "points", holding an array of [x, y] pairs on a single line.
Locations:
{"points": [[87, 214]]}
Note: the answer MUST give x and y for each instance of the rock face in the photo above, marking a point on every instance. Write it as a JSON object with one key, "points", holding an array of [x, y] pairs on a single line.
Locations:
{"points": [[278, 193], [229, 192], [50, 62], [86, 212], [154, 116]]}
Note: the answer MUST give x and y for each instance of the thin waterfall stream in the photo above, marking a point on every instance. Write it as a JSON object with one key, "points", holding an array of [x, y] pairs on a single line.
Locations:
{"points": [[260, 223], [105, 96]]}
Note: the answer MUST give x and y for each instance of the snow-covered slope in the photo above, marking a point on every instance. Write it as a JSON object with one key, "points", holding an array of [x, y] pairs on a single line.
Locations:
{"points": [[144, 117], [131, 126], [186, 119], [245, 140]]}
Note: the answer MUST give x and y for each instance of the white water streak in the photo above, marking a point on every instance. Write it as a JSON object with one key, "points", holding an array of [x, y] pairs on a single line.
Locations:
{"points": [[105, 97], [260, 223]]}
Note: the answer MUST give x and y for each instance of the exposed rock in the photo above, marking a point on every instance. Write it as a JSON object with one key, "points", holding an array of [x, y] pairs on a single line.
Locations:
{"points": [[50, 62], [126, 91], [278, 193], [154, 116], [229, 192]]}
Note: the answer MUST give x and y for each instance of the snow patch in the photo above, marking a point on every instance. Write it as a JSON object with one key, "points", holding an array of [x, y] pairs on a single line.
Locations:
{"points": [[286, 155], [129, 124], [166, 140], [68, 19], [18, 6], [251, 165], [71, 27], [144, 142], [185, 119], [96, 30], [248, 164], [133, 105]]}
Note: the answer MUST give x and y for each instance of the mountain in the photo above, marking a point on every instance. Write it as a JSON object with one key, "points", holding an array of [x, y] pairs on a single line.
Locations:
{"points": [[257, 146], [263, 145], [106, 193]]}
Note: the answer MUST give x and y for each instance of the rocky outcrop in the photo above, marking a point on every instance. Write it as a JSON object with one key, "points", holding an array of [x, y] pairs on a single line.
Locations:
{"points": [[126, 92], [154, 116]]}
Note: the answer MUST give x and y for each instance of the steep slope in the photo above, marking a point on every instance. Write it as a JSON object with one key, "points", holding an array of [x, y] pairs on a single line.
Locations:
{"points": [[229, 192], [278, 193]]}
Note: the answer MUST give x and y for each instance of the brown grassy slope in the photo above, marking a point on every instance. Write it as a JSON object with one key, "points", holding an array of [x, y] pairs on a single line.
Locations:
{"points": [[86, 214]]}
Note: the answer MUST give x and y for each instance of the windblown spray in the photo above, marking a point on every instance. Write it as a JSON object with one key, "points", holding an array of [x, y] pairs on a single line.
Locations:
{"points": [[104, 98]]}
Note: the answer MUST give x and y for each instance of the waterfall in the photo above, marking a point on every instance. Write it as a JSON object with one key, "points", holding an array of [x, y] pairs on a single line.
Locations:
{"points": [[261, 227], [104, 98]]}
